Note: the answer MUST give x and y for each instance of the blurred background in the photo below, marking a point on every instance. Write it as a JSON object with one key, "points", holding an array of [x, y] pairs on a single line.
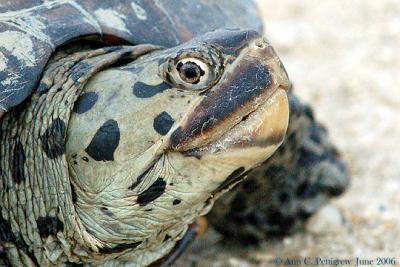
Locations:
{"points": [[344, 59]]}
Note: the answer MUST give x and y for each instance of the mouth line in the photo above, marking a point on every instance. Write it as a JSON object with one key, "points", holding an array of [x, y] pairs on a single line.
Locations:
{"points": [[247, 119]]}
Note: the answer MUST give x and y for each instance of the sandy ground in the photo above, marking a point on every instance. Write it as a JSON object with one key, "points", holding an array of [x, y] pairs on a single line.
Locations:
{"points": [[344, 58]]}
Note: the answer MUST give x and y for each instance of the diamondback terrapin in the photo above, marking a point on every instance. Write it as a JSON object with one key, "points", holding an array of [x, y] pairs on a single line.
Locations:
{"points": [[126, 121]]}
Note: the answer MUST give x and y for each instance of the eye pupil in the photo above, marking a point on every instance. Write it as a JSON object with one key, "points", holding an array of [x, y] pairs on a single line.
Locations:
{"points": [[190, 72]]}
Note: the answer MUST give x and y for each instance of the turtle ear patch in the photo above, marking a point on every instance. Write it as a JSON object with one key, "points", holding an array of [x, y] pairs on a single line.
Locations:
{"points": [[49, 226], [53, 142], [163, 123], [85, 102], [104, 142]]}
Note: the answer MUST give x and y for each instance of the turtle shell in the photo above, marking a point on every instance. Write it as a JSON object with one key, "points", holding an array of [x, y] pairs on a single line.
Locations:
{"points": [[31, 30]]}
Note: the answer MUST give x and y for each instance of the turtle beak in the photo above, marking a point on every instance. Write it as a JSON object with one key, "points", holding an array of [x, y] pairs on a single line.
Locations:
{"points": [[247, 106]]}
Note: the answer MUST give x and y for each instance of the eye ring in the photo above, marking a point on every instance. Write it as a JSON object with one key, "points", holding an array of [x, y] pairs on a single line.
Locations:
{"points": [[193, 69]]}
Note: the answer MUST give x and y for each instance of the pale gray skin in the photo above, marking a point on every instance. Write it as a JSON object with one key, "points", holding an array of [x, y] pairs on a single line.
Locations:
{"points": [[131, 197]]}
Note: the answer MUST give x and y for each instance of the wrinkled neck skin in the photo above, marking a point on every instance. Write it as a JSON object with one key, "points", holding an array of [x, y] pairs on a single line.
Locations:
{"points": [[39, 223], [109, 164]]}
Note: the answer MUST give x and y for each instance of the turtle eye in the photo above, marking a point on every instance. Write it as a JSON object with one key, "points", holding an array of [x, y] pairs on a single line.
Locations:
{"points": [[192, 73], [192, 70]]}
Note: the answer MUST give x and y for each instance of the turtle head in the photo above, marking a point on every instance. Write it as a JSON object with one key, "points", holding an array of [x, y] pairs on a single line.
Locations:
{"points": [[153, 142], [242, 88], [240, 115]]}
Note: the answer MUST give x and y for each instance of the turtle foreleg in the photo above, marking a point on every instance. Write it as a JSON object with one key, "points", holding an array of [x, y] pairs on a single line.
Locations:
{"points": [[278, 196]]}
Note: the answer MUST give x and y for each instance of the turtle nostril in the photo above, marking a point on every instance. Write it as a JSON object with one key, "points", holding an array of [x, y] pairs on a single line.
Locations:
{"points": [[260, 43], [245, 117]]}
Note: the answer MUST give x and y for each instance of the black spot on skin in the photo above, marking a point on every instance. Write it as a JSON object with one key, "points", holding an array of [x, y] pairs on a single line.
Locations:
{"points": [[106, 211], [176, 202], [235, 176], [152, 193], [18, 163], [119, 248], [73, 194], [3, 259], [163, 123], [142, 90], [140, 178], [85, 102], [53, 142], [49, 226], [7, 235], [42, 89], [166, 238], [104, 142], [73, 264]]}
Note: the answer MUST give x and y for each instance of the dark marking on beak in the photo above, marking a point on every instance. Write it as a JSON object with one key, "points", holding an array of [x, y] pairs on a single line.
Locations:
{"points": [[235, 93]]}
